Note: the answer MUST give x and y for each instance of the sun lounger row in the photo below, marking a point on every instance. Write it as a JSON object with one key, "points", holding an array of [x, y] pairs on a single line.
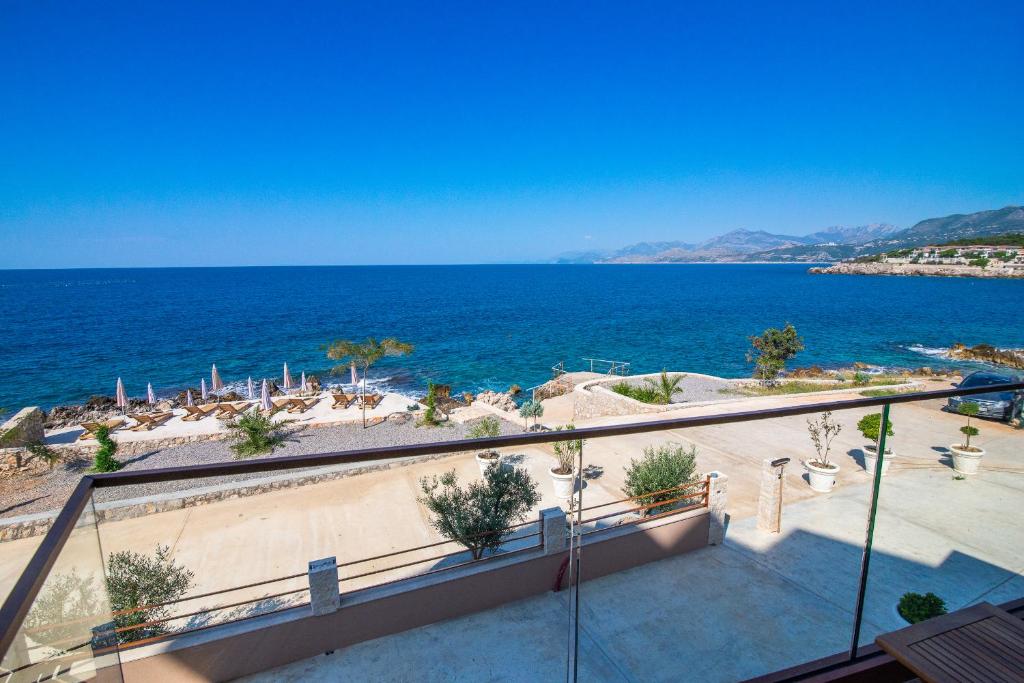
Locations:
{"points": [[342, 401]]}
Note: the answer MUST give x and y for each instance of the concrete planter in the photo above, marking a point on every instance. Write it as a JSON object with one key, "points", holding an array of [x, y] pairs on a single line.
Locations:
{"points": [[823, 479], [485, 459], [562, 483], [871, 455], [964, 461]]}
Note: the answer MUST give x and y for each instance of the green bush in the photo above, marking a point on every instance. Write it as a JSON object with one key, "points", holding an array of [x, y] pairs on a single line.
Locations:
{"points": [[663, 467], [104, 460], [255, 433], [870, 425], [980, 262], [861, 379], [44, 453], [479, 515], [770, 350], [915, 607], [430, 414], [644, 394], [135, 580], [489, 427]]}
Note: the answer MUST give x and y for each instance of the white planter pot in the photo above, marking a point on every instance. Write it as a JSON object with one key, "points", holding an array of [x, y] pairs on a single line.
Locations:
{"points": [[966, 462], [823, 479], [484, 463], [870, 457], [562, 483]]}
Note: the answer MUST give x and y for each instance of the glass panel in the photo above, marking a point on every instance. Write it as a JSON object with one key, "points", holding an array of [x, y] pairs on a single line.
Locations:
{"points": [[68, 633], [950, 520]]}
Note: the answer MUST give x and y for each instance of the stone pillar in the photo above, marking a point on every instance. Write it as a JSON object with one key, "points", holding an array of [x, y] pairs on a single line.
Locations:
{"points": [[552, 523], [718, 487], [324, 594], [769, 513]]}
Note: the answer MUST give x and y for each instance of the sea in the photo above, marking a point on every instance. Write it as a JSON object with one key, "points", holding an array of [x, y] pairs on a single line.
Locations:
{"points": [[69, 334]]}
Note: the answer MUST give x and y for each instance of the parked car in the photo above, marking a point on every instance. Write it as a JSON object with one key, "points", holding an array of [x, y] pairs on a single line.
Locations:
{"points": [[998, 404]]}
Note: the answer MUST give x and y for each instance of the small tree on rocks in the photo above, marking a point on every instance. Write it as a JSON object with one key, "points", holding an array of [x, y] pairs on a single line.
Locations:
{"points": [[770, 350], [479, 515]]}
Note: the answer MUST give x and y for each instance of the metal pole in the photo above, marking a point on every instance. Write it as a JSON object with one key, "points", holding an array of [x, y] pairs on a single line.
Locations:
{"points": [[870, 534], [579, 543]]}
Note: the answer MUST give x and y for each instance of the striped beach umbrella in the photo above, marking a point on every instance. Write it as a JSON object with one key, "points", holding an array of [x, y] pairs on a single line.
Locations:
{"points": [[202, 389], [150, 396], [248, 386], [265, 402], [287, 379], [120, 396], [215, 382], [303, 387], [188, 398]]}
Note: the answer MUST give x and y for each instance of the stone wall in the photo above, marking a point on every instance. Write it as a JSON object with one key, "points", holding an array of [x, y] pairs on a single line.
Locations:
{"points": [[24, 428], [593, 400]]}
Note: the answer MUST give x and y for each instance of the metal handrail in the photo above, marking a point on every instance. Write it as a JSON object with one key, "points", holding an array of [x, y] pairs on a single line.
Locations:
{"points": [[28, 585]]}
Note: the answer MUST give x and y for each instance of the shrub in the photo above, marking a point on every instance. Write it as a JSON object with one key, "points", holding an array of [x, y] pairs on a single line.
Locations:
{"points": [[488, 427], [135, 580], [644, 394], [255, 433], [531, 408], [664, 467], [430, 414], [915, 607], [770, 350], [567, 452], [968, 410], [104, 460], [870, 425], [948, 253], [980, 262], [664, 387], [823, 431], [479, 515], [861, 379]]}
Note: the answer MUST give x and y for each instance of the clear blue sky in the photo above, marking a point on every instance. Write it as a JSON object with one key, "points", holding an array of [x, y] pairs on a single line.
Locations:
{"points": [[178, 133]]}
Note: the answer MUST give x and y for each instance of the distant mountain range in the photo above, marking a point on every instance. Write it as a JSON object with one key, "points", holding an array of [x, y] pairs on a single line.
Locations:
{"points": [[831, 244]]}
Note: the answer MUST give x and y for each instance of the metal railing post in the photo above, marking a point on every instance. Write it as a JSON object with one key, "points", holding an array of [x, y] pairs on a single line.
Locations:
{"points": [[869, 535]]}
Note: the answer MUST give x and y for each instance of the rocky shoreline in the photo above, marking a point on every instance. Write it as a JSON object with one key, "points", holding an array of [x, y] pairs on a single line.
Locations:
{"points": [[918, 269]]}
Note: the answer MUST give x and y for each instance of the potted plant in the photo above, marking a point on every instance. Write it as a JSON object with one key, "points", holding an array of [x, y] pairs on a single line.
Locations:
{"points": [[563, 473], [915, 608], [869, 426], [967, 458], [487, 428], [820, 471]]}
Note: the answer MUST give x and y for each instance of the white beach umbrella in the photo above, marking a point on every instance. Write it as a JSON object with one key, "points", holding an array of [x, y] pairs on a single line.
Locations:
{"points": [[215, 382], [352, 367], [188, 398], [265, 401], [303, 387], [248, 386], [150, 396], [287, 379], [120, 396], [202, 389]]}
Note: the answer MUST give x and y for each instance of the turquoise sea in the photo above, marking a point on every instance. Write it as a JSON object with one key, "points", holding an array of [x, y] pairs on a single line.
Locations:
{"points": [[69, 334]]}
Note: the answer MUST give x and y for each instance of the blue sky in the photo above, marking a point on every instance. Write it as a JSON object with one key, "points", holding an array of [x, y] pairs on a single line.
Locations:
{"points": [[162, 134]]}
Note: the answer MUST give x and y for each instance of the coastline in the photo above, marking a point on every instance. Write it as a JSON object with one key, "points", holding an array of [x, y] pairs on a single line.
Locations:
{"points": [[916, 270]]}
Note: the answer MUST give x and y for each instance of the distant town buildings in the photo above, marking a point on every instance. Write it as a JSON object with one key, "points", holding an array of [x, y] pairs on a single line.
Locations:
{"points": [[1008, 258]]}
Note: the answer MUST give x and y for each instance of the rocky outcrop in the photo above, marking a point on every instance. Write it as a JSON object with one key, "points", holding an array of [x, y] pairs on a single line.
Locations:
{"points": [[26, 427], [850, 268], [986, 353], [500, 400]]}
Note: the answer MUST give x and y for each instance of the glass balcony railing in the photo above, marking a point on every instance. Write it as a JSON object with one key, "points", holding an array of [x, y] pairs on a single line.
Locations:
{"points": [[719, 547]]}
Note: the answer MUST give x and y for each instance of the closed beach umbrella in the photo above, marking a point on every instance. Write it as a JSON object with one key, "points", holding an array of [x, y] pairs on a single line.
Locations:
{"points": [[215, 382], [352, 367], [120, 396], [202, 389], [302, 384], [188, 398], [150, 396], [249, 387], [287, 379], [265, 402]]}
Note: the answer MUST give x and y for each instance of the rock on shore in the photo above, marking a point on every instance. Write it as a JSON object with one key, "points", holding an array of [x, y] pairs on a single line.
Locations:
{"points": [[850, 268], [499, 400]]}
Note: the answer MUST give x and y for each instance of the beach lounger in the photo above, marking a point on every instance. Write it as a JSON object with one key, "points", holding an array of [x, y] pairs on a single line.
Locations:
{"points": [[342, 401], [279, 404], [92, 427], [301, 405], [372, 400], [228, 411], [193, 413], [146, 421]]}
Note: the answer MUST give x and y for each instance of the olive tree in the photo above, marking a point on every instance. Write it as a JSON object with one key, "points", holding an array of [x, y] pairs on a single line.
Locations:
{"points": [[770, 350]]}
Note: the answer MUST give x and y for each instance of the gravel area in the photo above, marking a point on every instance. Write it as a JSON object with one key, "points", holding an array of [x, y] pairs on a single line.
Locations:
{"points": [[22, 495], [692, 389]]}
